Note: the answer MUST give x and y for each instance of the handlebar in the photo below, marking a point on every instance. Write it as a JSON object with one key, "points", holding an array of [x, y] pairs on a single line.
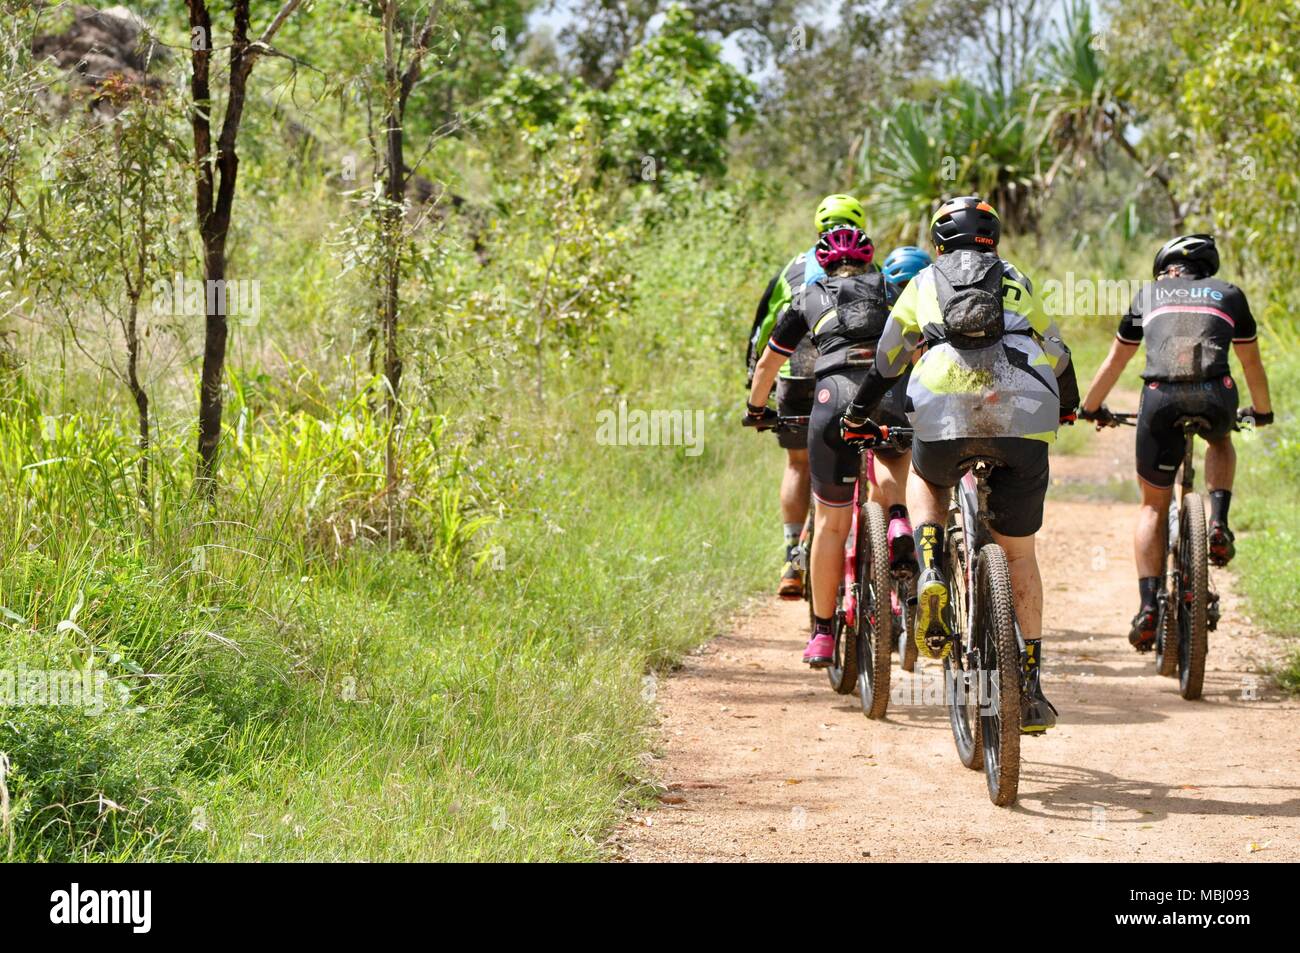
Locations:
{"points": [[780, 425], [892, 438]]}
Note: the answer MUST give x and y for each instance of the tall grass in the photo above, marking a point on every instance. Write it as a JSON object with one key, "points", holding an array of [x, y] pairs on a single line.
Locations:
{"points": [[283, 683]]}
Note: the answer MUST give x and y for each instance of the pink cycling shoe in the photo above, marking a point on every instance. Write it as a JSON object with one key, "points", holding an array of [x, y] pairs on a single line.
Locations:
{"points": [[820, 651], [902, 548]]}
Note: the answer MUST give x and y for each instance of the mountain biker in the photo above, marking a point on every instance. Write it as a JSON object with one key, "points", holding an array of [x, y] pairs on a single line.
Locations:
{"points": [[1188, 320], [794, 391], [903, 264], [995, 380], [843, 311]]}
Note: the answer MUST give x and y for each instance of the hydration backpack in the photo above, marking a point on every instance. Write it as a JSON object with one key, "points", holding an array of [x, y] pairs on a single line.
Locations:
{"points": [[969, 287]]}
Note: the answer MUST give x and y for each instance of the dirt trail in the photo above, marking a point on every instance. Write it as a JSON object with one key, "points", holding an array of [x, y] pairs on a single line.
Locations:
{"points": [[761, 761]]}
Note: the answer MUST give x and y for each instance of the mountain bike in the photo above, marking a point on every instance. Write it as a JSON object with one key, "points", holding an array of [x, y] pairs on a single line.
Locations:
{"points": [[903, 583], [867, 563], [1187, 608], [862, 631], [982, 673]]}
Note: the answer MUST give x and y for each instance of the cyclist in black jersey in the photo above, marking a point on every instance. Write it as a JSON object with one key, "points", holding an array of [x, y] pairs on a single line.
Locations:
{"points": [[1188, 320], [843, 312]]}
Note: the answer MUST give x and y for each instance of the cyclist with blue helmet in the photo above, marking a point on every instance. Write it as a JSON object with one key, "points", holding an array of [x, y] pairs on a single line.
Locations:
{"points": [[903, 264], [900, 266]]}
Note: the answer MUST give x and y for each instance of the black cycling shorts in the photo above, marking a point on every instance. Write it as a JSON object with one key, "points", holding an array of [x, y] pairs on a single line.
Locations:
{"points": [[1160, 444], [1017, 488], [834, 464], [794, 398]]}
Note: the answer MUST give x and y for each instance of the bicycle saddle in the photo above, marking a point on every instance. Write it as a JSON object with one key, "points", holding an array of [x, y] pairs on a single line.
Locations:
{"points": [[980, 463], [1193, 422]]}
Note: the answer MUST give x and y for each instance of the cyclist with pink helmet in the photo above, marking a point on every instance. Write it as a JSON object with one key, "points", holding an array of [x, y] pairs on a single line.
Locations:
{"points": [[794, 386], [843, 309]]}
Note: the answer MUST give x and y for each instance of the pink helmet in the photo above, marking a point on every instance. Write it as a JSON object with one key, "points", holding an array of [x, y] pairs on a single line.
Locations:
{"points": [[844, 241]]}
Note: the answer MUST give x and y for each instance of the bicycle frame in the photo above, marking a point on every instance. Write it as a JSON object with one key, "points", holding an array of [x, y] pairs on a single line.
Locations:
{"points": [[973, 504], [1187, 483], [850, 544]]}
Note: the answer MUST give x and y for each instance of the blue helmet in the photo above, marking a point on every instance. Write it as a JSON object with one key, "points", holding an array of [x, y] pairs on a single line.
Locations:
{"points": [[903, 263]]}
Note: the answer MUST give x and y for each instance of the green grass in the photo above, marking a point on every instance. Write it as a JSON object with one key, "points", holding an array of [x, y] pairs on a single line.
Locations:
{"points": [[283, 686]]}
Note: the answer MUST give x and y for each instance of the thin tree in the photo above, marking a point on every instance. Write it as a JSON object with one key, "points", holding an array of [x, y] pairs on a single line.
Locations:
{"points": [[216, 168], [399, 80]]}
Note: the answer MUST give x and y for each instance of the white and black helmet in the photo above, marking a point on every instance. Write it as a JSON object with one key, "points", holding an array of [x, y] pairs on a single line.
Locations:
{"points": [[1196, 251]]}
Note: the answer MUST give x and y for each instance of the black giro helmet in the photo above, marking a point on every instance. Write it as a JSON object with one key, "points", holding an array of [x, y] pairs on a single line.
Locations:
{"points": [[965, 222], [1195, 251]]}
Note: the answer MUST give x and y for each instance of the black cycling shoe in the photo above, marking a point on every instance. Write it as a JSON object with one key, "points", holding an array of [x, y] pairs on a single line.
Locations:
{"points": [[1222, 547], [1037, 714], [1143, 634]]}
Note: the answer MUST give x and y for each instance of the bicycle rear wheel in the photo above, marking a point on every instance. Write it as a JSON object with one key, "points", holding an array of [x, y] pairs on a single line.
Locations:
{"points": [[960, 668], [1193, 625], [875, 621], [1167, 634], [843, 670], [998, 655], [903, 589]]}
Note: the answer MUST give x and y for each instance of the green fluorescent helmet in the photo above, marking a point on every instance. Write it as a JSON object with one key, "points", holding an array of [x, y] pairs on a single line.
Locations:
{"points": [[837, 209]]}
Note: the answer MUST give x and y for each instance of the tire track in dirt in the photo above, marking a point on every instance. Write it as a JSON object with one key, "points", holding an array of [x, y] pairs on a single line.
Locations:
{"points": [[761, 761]]}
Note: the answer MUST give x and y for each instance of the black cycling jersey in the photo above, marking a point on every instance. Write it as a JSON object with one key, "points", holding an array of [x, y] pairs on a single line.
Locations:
{"points": [[844, 315], [1188, 325]]}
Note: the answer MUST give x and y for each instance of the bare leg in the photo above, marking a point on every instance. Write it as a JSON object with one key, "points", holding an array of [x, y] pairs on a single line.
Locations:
{"points": [[1026, 582], [831, 531], [926, 503], [891, 480], [1149, 535], [1220, 463], [794, 487]]}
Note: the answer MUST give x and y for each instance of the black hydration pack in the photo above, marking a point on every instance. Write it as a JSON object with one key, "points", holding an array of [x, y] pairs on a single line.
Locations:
{"points": [[969, 287], [846, 315]]}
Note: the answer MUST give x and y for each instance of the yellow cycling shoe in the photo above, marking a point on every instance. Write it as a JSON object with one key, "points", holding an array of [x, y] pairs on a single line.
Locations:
{"points": [[791, 586], [933, 631]]}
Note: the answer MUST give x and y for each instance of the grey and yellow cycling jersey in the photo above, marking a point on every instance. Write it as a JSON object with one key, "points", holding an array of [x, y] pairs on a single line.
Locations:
{"points": [[781, 293], [1017, 386]]}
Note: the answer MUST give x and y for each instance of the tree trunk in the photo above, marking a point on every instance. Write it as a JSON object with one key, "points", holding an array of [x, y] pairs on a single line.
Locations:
{"points": [[139, 395], [1177, 214], [215, 177]]}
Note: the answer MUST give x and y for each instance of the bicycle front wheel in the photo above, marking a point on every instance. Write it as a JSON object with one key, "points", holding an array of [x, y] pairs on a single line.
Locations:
{"points": [[875, 621], [998, 654], [843, 670]]}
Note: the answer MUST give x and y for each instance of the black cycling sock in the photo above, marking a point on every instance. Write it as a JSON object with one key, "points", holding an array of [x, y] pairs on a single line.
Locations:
{"points": [[898, 512], [1149, 587], [1220, 500], [821, 626], [1033, 654], [929, 546]]}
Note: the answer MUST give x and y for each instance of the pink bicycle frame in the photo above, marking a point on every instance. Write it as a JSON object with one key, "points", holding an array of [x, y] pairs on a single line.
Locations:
{"points": [[851, 544]]}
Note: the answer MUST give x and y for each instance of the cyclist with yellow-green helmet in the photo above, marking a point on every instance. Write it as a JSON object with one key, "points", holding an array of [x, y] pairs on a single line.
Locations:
{"points": [[794, 389]]}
